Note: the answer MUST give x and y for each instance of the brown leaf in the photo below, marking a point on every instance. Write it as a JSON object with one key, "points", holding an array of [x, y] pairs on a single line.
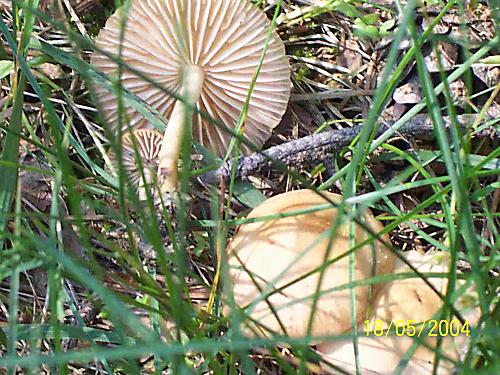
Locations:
{"points": [[349, 58], [488, 73], [35, 186], [409, 93], [458, 92], [448, 54], [441, 27], [51, 71]]}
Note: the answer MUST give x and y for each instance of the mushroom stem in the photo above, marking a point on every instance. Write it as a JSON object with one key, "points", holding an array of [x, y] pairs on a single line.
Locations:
{"points": [[192, 83], [146, 183]]}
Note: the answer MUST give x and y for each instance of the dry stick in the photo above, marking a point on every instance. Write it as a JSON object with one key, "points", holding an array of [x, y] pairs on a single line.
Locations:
{"points": [[318, 147]]}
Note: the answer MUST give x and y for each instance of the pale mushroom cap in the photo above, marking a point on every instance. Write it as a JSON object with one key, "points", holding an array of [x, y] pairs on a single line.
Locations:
{"points": [[225, 38], [403, 300], [412, 298], [271, 247], [381, 356], [148, 144]]}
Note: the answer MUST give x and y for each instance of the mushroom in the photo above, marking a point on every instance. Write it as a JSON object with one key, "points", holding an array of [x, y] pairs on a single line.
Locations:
{"points": [[407, 301], [205, 51], [146, 145], [277, 251]]}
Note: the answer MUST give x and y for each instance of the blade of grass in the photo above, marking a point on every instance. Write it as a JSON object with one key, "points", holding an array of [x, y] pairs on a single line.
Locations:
{"points": [[9, 158], [458, 178], [10, 152]]}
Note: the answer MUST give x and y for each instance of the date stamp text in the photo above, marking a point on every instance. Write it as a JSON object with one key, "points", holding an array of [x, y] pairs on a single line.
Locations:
{"points": [[412, 328]]}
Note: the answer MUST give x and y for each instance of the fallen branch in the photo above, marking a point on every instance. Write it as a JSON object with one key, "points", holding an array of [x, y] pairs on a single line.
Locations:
{"points": [[318, 147]]}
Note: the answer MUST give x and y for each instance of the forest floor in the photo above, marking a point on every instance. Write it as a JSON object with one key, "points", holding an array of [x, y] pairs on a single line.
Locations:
{"points": [[394, 105]]}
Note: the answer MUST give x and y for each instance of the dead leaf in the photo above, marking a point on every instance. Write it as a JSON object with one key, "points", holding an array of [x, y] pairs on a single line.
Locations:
{"points": [[489, 74], [35, 186], [409, 93], [458, 92], [349, 58], [51, 71], [448, 54], [441, 27]]}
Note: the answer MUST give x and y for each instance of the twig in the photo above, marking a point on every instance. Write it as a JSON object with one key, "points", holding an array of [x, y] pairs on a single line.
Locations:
{"points": [[331, 94], [75, 18], [318, 147]]}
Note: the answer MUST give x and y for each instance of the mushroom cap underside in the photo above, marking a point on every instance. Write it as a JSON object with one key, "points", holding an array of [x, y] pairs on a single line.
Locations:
{"points": [[143, 144], [225, 38]]}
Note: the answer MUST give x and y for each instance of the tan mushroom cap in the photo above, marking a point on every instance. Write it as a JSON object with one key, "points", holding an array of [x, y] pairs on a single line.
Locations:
{"points": [[148, 144], [225, 38], [271, 251], [381, 356], [404, 300]]}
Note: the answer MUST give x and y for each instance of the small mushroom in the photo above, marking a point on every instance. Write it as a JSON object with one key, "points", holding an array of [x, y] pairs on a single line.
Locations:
{"points": [[278, 251], [146, 147], [403, 302], [206, 51]]}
